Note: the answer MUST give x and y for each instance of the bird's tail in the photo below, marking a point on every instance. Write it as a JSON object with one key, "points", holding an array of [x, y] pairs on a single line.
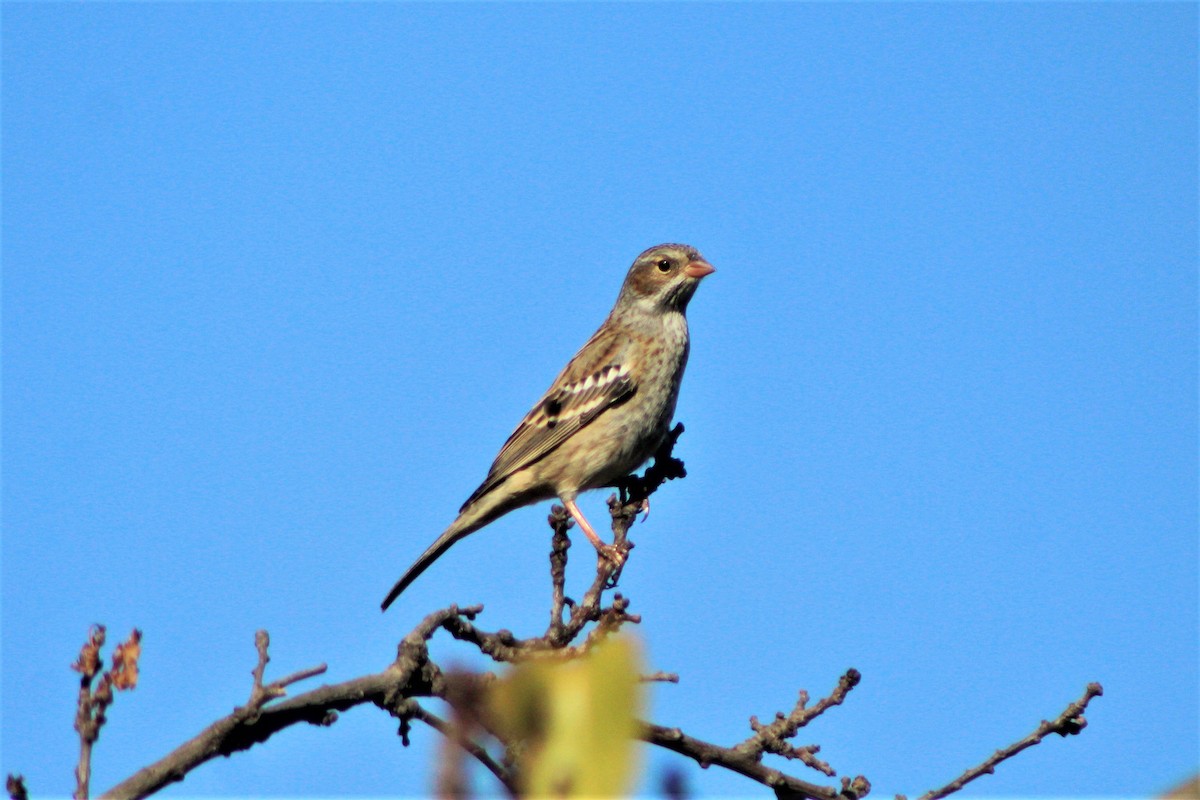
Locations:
{"points": [[431, 554], [474, 516]]}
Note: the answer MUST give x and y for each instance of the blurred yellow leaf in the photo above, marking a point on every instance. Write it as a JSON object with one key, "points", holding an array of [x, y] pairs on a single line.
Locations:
{"points": [[574, 722]]}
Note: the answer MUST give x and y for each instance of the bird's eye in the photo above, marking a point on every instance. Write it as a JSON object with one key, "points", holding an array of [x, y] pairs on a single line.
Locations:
{"points": [[664, 265]]}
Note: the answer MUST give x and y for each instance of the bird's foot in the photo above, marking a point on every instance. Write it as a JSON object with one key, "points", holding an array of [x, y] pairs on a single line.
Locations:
{"points": [[613, 556], [611, 553]]}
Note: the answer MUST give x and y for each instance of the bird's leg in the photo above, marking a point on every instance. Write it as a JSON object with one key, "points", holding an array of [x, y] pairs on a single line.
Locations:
{"points": [[583, 524], [607, 551]]}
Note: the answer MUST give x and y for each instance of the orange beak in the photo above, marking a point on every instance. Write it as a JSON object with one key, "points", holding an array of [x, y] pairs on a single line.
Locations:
{"points": [[698, 269]]}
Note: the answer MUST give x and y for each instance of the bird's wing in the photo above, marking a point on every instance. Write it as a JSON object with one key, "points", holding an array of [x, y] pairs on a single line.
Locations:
{"points": [[595, 380]]}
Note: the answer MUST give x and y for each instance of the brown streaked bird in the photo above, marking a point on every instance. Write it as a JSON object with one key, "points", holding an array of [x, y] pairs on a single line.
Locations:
{"points": [[603, 416]]}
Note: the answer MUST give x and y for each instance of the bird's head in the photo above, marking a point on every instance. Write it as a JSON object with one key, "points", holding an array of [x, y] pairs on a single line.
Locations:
{"points": [[664, 277]]}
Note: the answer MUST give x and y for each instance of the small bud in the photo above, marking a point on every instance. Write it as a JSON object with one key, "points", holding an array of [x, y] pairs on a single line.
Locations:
{"points": [[89, 662]]}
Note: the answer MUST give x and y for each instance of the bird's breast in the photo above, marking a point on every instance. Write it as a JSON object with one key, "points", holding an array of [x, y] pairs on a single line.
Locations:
{"points": [[630, 433], [625, 436]]}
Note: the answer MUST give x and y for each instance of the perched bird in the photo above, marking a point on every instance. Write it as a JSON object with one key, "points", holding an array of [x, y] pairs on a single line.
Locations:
{"points": [[604, 415]]}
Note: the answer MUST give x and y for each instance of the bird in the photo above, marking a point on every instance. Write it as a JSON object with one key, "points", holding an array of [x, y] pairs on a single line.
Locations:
{"points": [[604, 415]]}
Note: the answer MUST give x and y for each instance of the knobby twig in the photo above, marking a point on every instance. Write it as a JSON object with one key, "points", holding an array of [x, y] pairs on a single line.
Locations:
{"points": [[260, 695], [560, 521], [772, 738], [1070, 722], [785, 786], [635, 491], [746, 757], [92, 707], [634, 494]]}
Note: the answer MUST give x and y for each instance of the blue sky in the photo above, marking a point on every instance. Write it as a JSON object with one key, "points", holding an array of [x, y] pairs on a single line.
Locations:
{"points": [[280, 279]]}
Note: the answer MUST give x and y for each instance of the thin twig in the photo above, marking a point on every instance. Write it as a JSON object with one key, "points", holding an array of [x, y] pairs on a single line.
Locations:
{"points": [[560, 521], [1068, 723], [746, 757], [90, 708], [214, 739], [470, 746], [660, 677], [262, 641], [772, 737], [786, 786]]}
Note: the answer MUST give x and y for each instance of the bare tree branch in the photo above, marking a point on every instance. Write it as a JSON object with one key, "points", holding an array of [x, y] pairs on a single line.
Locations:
{"points": [[89, 710], [772, 738], [260, 695], [560, 521], [1068, 723], [467, 744], [410, 675], [785, 786], [413, 674]]}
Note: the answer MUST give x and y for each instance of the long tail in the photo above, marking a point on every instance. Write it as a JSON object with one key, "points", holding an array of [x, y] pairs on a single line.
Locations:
{"points": [[474, 515], [431, 554]]}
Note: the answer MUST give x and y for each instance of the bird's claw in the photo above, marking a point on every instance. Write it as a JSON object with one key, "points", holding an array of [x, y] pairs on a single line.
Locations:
{"points": [[614, 557], [612, 554]]}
